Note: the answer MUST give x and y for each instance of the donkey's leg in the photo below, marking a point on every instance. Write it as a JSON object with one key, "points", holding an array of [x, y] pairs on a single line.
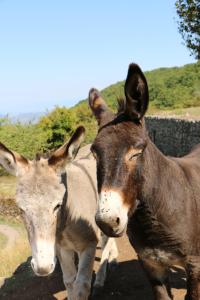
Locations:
{"points": [[159, 278], [113, 255], [109, 254], [67, 263], [193, 278], [83, 280]]}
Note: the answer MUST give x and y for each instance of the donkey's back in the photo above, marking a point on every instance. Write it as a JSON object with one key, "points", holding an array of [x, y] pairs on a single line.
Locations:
{"points": [[190, 166]]}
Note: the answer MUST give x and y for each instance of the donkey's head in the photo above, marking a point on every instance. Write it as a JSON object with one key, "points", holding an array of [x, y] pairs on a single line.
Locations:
{"points": [[40, 194], [118, 149]]}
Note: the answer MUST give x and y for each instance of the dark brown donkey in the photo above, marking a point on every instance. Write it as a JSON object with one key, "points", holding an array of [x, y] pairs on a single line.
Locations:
{"points": [[158, 197]]}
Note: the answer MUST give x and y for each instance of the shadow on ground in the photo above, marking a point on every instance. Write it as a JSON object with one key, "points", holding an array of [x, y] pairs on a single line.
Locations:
{"points": [[126, 282], [25, 285]]}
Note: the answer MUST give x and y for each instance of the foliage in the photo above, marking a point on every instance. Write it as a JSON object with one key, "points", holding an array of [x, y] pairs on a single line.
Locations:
{"points": [[85, 117], [169, 88], [58, 125], [174, 87], [25, 139], [189, 24]]}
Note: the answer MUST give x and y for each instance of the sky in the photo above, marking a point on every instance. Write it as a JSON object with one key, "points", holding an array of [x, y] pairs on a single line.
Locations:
{"points": [[53, 52]]}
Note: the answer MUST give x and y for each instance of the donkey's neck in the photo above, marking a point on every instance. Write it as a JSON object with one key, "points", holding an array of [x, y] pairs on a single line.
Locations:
{"points": [[157, 173], [156, 214]]}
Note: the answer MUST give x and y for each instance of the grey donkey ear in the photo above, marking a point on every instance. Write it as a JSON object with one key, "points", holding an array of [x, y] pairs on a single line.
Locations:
{"points": [[12, 162], [136, 92], [69, 150]]}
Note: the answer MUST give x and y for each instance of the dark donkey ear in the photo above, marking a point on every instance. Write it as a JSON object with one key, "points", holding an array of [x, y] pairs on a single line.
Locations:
{"points": [[136, 92], [99, 107]]}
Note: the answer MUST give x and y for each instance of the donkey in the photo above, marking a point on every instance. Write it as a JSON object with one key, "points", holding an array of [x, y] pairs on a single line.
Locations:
{"points": [[58, 200], [157, 198]]}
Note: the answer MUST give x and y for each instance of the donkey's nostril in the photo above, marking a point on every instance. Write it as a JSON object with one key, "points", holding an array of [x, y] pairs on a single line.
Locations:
{"points": [[118, 221]]}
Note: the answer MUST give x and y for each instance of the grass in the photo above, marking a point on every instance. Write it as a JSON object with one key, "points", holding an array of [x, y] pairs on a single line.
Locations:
{"points": [[13, 222], [14, 257], [7, 186], [186, 113], [11, 258], [3, 240]]}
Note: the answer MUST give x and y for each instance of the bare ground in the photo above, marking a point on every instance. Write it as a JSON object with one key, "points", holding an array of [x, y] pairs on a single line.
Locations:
{"points": [[126, 282]]}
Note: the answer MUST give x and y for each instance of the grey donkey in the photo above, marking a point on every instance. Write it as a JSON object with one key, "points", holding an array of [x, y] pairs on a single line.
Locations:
{"points": [[58, 200]]}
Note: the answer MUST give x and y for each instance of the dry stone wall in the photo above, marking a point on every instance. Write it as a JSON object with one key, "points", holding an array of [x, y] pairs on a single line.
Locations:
{"points": [[172, 136]]}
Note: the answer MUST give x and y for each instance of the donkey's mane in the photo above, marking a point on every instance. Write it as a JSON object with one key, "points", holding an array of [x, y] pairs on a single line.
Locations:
{"points": [[121, 105], [45, 155]]}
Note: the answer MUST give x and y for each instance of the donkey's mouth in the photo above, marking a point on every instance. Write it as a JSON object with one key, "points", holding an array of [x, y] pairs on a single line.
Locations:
{"points": [[119, 233], [43, 274], [108, 230]]}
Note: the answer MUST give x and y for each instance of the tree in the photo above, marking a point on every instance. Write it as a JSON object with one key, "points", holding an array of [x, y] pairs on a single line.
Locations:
{"points": [[27, 139], [189, 24], [58, 126]]}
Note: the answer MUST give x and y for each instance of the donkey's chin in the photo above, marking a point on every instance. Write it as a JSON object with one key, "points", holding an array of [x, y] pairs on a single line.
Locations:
{"points": [[45, 274], [119, 233], [108, 230]]}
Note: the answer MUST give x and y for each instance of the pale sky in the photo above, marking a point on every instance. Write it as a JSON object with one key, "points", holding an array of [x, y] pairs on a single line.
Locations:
{"points": [[53, 52]]}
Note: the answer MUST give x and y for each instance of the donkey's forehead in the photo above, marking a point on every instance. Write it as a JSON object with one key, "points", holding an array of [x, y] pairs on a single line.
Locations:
{"points": [[39, 185], [40, 171], [123, 134]]}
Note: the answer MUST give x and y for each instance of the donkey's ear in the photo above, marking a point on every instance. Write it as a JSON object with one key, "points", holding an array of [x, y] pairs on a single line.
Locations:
{"points": [[136, 92], [12, 162], [68, 151], [99, 107]]}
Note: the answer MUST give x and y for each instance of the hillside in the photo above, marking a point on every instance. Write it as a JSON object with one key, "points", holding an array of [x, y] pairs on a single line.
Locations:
{"points": [[169, 88], [172, 91]]}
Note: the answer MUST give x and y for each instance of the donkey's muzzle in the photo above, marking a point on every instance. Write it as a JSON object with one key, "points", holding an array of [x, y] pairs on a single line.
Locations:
{"points": [[42, 270], [107, 229]]}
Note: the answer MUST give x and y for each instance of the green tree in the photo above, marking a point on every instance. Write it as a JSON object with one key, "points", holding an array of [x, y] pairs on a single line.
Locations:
{"points": [[189, 24], [58, 126], [25, 139], [85, 117]]}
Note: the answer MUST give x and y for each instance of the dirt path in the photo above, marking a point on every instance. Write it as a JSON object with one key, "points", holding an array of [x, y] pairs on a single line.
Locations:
{"points": [[10, 233], [126, 282]]}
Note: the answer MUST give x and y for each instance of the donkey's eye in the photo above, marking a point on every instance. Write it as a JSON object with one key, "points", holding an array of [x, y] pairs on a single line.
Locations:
{"points": [[135, 155], [57, 207]]}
